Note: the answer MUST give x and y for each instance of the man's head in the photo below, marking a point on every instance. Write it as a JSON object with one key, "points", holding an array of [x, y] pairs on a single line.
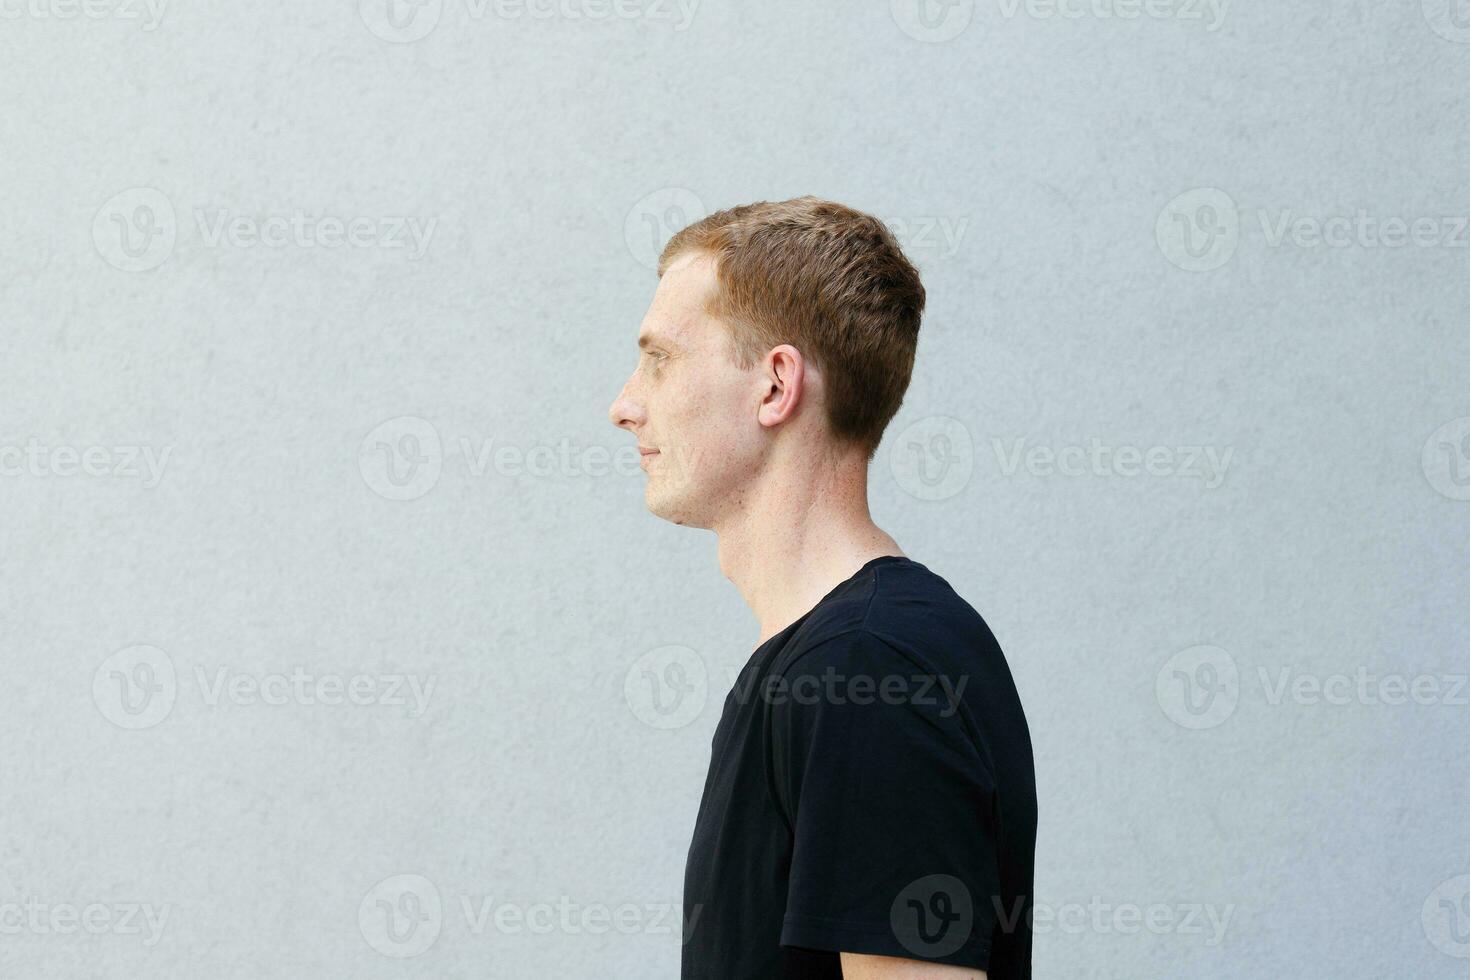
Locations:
{"points": [[776, 328]]}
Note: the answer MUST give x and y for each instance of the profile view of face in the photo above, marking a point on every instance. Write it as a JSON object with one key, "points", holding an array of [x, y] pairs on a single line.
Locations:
{"points": [[691, 407]]}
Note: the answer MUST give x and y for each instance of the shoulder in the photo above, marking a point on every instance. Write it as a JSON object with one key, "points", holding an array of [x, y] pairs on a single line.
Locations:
{"points": [[855, 649], [896, 614], [858, 701]]}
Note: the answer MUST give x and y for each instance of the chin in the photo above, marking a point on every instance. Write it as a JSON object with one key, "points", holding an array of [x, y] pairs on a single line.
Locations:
{"points": [[672, 508]]}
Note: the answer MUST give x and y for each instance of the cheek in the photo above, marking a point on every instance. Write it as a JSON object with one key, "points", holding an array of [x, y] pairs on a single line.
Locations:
{"points": [[727, 427], [701, 419], [716, 404]]}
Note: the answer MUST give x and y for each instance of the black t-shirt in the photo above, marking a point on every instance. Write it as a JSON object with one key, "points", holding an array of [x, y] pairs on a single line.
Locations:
{"points": [[871, 790]]}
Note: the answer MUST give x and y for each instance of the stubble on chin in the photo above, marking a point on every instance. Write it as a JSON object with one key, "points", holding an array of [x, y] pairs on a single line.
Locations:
{"points": [[666, 503]]}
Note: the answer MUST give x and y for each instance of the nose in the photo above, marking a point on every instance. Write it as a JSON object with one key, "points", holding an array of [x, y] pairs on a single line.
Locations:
{"points": [[626, 412]]}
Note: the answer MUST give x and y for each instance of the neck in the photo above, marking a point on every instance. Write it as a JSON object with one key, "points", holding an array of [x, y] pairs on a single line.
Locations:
{"points": [[803, 529]]}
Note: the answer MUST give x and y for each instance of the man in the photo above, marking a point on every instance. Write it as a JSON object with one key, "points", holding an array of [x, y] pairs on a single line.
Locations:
{"points": [[870, 809]]}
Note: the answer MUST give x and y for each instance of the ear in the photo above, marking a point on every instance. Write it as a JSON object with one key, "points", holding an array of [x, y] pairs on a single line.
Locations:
{"points": [[784, 375]]}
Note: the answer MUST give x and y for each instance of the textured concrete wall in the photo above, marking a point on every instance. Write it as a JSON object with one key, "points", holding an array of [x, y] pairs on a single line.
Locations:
{"points": [[328, 599]]}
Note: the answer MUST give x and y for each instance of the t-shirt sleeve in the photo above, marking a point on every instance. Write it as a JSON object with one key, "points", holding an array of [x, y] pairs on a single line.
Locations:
{"points": [[891, 804]]}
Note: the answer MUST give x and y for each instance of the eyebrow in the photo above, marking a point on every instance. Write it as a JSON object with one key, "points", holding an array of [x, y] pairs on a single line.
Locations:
{"points": [[648, 340]]}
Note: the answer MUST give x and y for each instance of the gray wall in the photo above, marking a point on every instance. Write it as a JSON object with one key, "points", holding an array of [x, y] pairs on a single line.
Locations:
{"points": [[1198, 451]]}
